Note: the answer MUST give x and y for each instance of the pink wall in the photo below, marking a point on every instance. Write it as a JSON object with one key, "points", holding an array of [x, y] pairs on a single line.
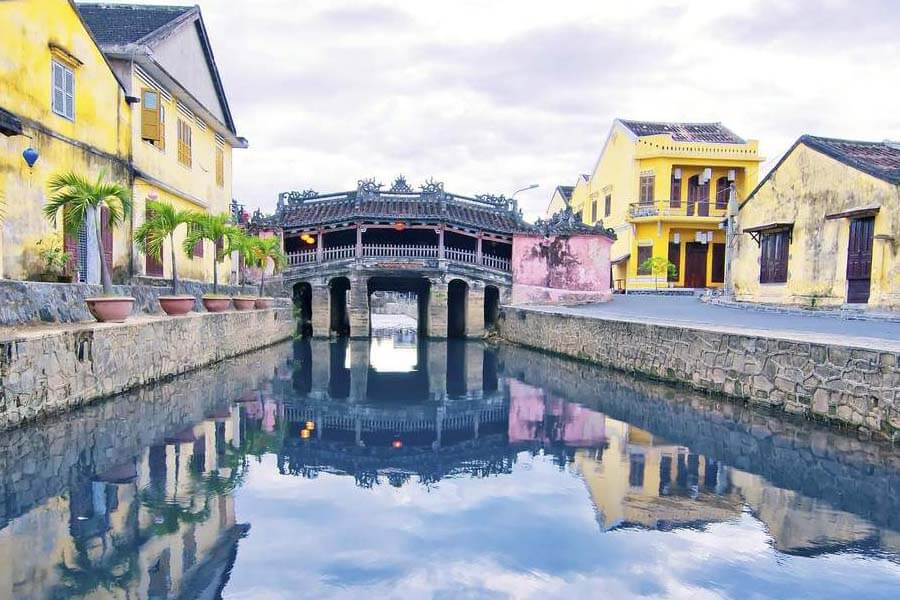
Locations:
{"points": [[561, 268]]}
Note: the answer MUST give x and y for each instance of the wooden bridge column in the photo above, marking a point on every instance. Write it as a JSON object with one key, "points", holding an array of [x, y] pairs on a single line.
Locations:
{"points": [[359, 307], [437, 309], [321, 310]]}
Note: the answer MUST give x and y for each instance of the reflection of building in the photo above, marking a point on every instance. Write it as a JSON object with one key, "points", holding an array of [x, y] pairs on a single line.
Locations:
{"points": [[155, 527]]}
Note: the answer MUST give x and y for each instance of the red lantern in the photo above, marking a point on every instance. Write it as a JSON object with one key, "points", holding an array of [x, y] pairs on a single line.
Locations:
{"points": [[399, 226], [397, 444]]}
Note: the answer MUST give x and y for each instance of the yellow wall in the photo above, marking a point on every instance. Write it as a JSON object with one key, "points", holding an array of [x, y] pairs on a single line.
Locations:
{"points": [[804, 188], [98, 139], [617, 173]]}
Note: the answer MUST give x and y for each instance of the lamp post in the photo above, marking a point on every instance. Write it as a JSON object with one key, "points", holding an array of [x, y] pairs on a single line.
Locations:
{"points": [[524, 189]]}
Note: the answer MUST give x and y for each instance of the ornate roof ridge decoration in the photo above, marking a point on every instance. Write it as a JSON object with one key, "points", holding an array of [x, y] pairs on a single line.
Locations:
{"points": [[368, 186], [432, 187], [295, 198], [500, 201], [566, 222], [400, 186]]}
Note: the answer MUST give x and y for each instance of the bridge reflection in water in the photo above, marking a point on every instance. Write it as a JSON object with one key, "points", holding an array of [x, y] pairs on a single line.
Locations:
{"points": [[151, 493]]}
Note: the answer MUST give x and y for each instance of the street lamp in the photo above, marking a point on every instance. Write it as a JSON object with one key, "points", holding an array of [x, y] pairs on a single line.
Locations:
{"points": [[524, 189]]}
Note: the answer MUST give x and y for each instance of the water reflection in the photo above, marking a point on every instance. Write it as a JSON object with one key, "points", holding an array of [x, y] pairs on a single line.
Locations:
{"points": [[456, 454]]}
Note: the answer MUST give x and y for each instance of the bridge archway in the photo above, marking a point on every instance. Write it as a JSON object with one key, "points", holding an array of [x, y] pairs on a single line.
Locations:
{"points": [[302, 295], [339, 292], [491, 306], [420, 286], [457, 301]]}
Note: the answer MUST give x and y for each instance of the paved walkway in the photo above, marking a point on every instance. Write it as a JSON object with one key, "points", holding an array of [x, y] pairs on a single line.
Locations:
{"points": [[691, 311]]}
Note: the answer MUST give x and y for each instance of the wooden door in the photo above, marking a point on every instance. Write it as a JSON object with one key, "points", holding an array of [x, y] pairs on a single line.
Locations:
{"points": [[718, 264], [106, 237], [675, 259], [698, 197], [153, 266], [695, 265], [859, 260]]}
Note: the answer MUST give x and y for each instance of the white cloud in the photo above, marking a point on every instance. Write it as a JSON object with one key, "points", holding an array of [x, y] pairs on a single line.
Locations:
{"points": [[491, 96]]}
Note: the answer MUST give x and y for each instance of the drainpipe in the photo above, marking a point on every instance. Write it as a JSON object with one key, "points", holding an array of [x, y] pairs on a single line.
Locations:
{"points": [[730, 238]]}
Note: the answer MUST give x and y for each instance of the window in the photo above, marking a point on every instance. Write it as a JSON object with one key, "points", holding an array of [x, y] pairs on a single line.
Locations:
{"points": [[643, 254], [184, 143], [593, 211], [723, 191], [220, 166], [607, 205], [718, 264], [647, 182], [63, 99], [675, 193], [151, 116], [773, 259]]}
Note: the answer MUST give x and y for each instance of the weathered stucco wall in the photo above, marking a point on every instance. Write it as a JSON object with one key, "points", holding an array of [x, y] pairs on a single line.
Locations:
{"points": [[560, 268], [46, 371], [855, 385], [807, 186]]}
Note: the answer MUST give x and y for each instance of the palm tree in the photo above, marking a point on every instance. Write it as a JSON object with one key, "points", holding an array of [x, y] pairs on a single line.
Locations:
{"points": [[218, 230], [261, 251], [80, 200], [164, 219], [243, 243]]}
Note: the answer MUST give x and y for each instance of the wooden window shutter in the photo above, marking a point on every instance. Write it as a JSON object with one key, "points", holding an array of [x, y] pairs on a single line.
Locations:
{"points": [[184, 143], [150, 115]]}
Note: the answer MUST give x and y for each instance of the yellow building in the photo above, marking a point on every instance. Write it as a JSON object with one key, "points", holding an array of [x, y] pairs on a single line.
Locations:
{"points": [[131, 91], [181, 125], [823, 227], [664, 188], [60, 98], [562, 194]]}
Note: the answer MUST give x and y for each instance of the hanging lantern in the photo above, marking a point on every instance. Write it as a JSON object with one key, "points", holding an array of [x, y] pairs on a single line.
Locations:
{"points": [[399, 226], [30, 155], [397, 444], [310, 425], [304, 434]]}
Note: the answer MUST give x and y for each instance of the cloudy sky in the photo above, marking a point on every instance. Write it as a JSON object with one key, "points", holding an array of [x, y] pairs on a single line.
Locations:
{"points": [[490, 96]]}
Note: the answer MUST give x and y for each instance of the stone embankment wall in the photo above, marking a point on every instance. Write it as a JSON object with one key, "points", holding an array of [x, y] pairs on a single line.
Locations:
{"points": [[48, 370], [31, 301], [803, 374], [42, 460]]}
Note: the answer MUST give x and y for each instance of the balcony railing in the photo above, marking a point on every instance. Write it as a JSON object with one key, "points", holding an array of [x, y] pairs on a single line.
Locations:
{"points": [[310, 257], [664, 208]]}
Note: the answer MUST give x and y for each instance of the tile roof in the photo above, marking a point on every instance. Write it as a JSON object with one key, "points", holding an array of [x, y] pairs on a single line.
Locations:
{"points": [[878, 159], [685, 132], [565, 191], [119, 24], [458, 210]]}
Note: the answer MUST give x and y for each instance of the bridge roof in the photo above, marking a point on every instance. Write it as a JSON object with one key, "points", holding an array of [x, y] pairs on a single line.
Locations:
{"points": [[431, 204]]}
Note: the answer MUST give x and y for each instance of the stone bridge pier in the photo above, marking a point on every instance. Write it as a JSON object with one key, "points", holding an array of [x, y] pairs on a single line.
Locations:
{"points": [[449, 306]]}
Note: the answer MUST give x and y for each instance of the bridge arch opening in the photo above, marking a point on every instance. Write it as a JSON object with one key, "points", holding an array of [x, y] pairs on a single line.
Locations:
{"points": [[418, 286], [302, 294], [491, 306], [339, 292], [457, 300]]}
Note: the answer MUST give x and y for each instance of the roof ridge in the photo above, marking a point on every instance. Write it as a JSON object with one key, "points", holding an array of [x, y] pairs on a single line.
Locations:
{"points": [[166, 7], [809, 136]]}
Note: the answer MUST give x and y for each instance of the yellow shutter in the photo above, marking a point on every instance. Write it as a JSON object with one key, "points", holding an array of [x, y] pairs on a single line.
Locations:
{"points": [[184, 143], [220, 167], [150, 121]]}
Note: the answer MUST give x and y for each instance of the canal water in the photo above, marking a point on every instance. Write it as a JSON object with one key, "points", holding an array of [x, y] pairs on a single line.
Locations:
{"points": [[396, 468]]}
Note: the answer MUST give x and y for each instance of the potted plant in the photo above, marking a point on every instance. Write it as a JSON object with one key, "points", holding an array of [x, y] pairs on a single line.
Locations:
{"points": [[262, 251], [244, 244], [53, 259], [214, 228], [658, 266], [162, 221], [80, 201]]}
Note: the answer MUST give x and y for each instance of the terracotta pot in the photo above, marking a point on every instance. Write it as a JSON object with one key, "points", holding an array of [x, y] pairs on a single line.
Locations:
{"points": [[114, 309], [216, 304], [264, 302], [243, 303], [176, 305]]}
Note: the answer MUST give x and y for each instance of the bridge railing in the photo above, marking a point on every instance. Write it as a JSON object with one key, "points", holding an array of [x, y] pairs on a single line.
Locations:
{"points": [[307, 257]]}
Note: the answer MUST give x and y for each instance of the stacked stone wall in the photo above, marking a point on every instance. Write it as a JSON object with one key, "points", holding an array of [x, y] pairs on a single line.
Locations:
{"points": [[856, 385], [48, 370]]}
